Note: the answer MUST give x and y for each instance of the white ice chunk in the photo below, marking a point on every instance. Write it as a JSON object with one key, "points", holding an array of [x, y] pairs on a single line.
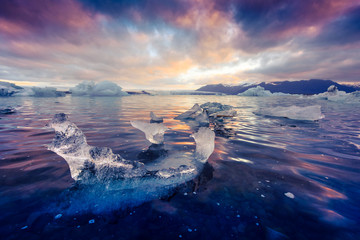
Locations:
{"points": [[205, 141], [310, 113], [155, 119], [256, 92], [105, 88], [334, 95], [46, 92], [289, 195], [154, 132]]}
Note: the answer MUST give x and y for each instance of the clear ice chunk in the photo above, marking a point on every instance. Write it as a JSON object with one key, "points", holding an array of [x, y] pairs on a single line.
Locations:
{"points": [[91, 164], [154, 132], [155, 119]]}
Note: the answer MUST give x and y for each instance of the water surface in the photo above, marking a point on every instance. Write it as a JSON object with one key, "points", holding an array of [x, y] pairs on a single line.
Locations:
{"points": [[239, 195]]}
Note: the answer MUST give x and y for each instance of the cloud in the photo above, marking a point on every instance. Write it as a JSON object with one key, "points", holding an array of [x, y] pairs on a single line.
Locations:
{"points": [[178, 43], [341, 31]]}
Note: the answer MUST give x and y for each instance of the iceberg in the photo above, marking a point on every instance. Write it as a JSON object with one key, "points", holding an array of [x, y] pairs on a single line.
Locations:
{"points": [[310, 113], [40, 92], [154, 132], [91, 164], [334, 95], [46, 92], [8, 89], [256, 92], [259, 91], [101, 89]]}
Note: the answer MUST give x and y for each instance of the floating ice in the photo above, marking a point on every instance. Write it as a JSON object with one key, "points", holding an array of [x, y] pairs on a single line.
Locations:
{"points": [[46, 92], [7, 110], [214, 108], [289, 195], [155, 119], [193, 113], [101, 172], [334, 95], [310, 113], [260, 92], [204, 139], [154, 132], [40, 92], [256, 92], [8, 89], [105, 88], [85, 161]]}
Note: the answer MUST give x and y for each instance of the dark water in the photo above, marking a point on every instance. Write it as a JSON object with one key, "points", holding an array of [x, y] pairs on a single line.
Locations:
{"points": [[239, 195]]}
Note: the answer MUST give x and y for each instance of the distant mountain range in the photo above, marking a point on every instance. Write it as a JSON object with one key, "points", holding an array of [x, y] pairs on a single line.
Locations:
{"points": [[307, 87]]}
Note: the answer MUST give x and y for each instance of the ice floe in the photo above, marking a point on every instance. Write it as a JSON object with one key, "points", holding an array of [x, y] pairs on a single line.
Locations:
{"points": [[310, 113]]}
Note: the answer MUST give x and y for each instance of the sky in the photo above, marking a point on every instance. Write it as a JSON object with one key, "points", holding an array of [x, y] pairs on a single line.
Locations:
{"points": [[178, 44]]}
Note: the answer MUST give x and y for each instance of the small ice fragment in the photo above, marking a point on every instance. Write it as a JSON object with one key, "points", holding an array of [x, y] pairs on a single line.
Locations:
{"points": [[257, 224], [185, 194], [194, 193], [91, 221], [205, 140], [155, 119], [24, 227], [326, 177], [58, 216], [289, 195], [238, 216], [154, 132], [180, 236], [267, 180], [218, 204], [190, 230], [262, 195], [78, 226], [255, 217]]}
